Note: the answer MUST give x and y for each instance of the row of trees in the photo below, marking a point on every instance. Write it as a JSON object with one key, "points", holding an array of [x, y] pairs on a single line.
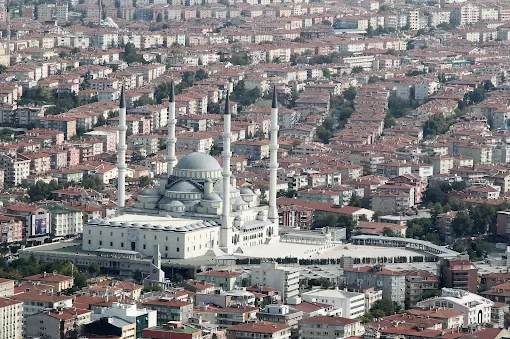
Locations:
{"points": [[188, 78], [42, 190], [59, 102], [243, 96], [338, 261], [19, 268], [380, 308], [341, 109]]}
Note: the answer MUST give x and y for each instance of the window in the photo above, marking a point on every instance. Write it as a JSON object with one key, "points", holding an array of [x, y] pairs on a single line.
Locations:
{"points": [[89, 241], [177, 249], [111, 234], [143, 246], [111, 243], [100, 243], [121, 244], [166, 248]]}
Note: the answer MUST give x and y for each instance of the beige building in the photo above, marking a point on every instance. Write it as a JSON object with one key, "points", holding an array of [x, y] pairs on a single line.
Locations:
{"points": [[6, 287], [259, 330], [441, 163], [330, 327], [58, 281], [254, 150], [11, 315], [390, 202], [16, 168], [481, 154]]}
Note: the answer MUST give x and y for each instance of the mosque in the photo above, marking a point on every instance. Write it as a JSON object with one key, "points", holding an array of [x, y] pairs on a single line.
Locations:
{"points": [[197, 209]]}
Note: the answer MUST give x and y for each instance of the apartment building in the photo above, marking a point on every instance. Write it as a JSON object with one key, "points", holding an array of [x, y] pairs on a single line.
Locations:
{"points": [[458, 273], [58, 281], [392, 283], [420, 284], [36, 220], [16, 168], [352, 304], [225, 280], [169, 309], [259, 330], [65, 220], [11, 313], [463, 14], [57, 323], [59, 122], [330, 328], [283, 279], [35, 302], [11, 230]]}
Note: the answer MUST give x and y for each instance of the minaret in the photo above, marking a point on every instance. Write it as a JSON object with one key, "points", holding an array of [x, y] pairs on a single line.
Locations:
{"points": [[226, 224], [171, 140], [8, 51], [273, 164], [100, 17], [121, 164]]}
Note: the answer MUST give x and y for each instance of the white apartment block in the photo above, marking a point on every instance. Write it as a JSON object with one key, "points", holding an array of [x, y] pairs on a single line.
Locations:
{"points": [[464, 14], [352, 304], [437, 17], [16, 168], [282, 279], [11, 315]]}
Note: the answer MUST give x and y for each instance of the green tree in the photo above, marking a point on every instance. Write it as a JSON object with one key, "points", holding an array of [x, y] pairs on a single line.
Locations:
{"points": [[385, 305], [477, 96], [326, 73], [145, 181], [350, 93], [143, 101], [94, 269], [131, 54], [357, 69], [101, 120], [323, 134], [159, 18], [92, 182], [462, 224]]}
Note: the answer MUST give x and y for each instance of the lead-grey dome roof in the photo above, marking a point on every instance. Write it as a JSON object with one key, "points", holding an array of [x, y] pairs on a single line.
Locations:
{"points": [[149, 192], [198, 161], [184, 187], [212, 197]]}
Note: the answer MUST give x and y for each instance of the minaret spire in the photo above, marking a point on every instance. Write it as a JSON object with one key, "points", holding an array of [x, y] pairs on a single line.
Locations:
{"points": [[8, 51], [273, 164], [171, 140], [226, 233], [121, 163]]}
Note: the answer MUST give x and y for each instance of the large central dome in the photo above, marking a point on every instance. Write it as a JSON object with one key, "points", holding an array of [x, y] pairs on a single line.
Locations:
{"points": [[198, 165]]}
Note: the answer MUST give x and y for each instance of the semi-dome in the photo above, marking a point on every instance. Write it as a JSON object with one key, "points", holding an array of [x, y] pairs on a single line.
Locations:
{"points": [[198, 162], [184, 187], [246, 190], [149, 192], [212, 197]]}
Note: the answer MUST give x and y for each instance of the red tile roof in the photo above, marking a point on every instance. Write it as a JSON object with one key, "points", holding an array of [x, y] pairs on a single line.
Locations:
{"points": [[260, 327]]}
